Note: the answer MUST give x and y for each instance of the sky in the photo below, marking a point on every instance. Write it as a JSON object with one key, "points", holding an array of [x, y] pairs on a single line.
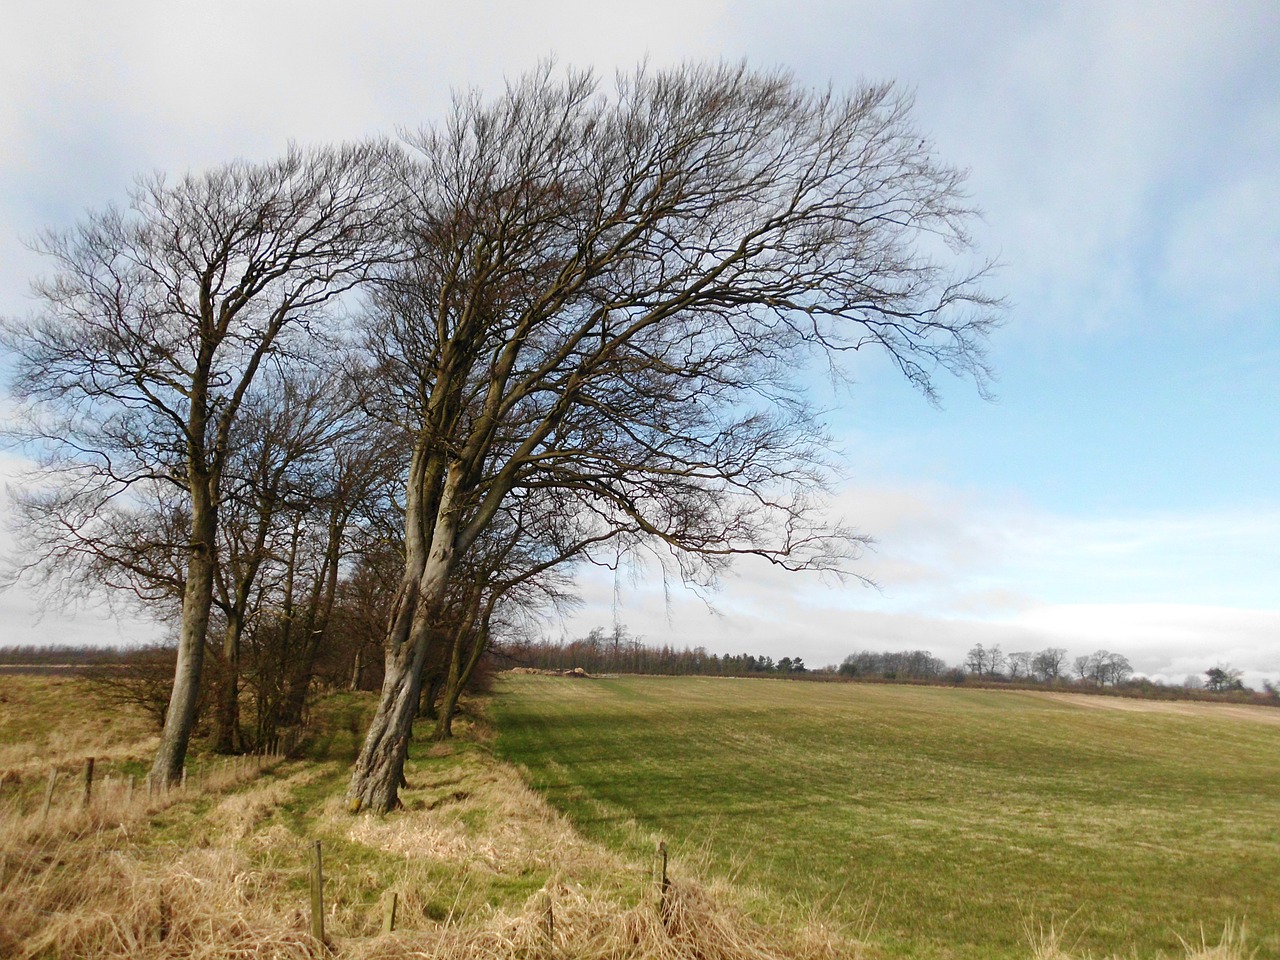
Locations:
{"points": [[1122, 491]]}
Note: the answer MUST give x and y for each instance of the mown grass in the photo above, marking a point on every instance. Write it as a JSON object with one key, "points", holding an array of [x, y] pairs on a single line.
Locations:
{"points": [[943, 823]]}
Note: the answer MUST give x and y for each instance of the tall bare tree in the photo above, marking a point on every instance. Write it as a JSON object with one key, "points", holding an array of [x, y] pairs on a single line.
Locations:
{"points": [[622, 296], [154, 324]]}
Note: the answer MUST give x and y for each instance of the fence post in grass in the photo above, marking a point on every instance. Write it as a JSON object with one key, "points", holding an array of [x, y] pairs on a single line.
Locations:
{"points": [[664, 883], [551, 921], [48, 793], [88, 780], [389, 918], [317, 893]]}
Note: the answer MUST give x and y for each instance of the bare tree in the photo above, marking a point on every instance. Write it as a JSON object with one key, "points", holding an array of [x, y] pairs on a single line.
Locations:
{"points": [[622, 297], [153, 327], [1048, 664], [1103, 667], [1112, 668], [1020, 665], [1083, 667]]}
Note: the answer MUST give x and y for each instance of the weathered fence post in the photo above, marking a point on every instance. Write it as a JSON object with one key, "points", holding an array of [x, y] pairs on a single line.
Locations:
{"points": [[317, 893], [389, 918], [665, 884], [48, 793], [88, 780], [551, 921]]}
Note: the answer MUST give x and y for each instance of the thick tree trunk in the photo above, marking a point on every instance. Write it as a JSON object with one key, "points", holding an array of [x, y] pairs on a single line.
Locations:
{"points": [[379, 770], [197, 598]]}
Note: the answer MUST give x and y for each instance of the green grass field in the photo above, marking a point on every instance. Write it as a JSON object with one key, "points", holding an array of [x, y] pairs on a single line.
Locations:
{"points": [[946, 822]]}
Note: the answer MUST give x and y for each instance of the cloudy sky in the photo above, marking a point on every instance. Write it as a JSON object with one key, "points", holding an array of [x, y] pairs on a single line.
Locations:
{"points": [[1122, 492]]}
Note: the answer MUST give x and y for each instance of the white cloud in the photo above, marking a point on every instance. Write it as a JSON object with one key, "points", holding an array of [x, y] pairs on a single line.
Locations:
{"points": [[1174, 594]]}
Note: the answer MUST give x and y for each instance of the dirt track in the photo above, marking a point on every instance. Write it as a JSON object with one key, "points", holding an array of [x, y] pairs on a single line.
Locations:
{"points": [[1234, 711]]}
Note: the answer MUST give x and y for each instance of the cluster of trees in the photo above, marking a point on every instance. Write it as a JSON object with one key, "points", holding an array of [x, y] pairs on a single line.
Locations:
{"points": [[1046, 665], [403, 386], [618, 651], [1101, 668], [894, 665], [1224, 678]]}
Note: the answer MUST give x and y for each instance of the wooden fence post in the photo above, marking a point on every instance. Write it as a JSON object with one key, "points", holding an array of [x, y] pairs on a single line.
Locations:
{"points": [[317, 893], [88, 780], [551, 921], [665, 884], [48, 793], [389, 918]]}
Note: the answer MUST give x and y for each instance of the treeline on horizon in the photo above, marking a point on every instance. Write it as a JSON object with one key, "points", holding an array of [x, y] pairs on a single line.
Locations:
{"points": [[141, 674], [619, 651]]}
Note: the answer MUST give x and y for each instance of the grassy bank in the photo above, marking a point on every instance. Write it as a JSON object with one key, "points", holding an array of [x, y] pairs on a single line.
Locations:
{"points": [[481, 867], [938, 823]]}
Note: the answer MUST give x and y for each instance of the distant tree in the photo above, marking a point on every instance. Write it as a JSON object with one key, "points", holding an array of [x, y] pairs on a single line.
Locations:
{"points": [[1103, 667], [908, 664], [1116, 669], [1082, 666], [1223, 678], [1020, 665], [978, 660], [1048, 664]]}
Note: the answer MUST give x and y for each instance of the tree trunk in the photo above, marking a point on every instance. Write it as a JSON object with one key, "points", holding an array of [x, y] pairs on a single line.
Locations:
{"points": [[460, 675], [379, 770], [226, 736], [197, 598]]}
